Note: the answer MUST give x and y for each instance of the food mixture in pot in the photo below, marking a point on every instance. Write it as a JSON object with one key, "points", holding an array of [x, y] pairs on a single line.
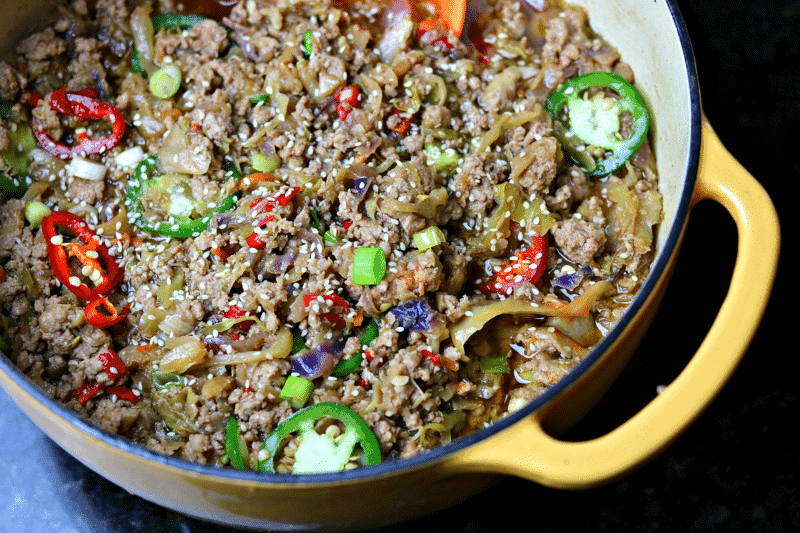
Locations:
{"points": [[305, 236]]}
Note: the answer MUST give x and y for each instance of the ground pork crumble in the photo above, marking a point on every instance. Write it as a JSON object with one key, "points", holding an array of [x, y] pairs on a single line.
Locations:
{"points": [[300, 135]]}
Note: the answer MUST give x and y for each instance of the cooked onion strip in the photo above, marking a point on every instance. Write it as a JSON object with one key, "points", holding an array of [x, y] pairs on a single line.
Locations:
{"points": [[428, 207], [88, 170], [186, 353], [488, 138], [482, 314], [279, 349], [227, 324]]}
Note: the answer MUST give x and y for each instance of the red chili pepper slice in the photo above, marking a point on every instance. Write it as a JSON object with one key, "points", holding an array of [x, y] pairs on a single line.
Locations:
{"points": [[88, 254], [254, 241], [402, 126], [266, 205], [485, 50], [34, 99], [81, 105], [123, 393], [96, 318], [263, 204], [86, 392], [113, 365], [336, 300], [219, 252], [235, 311], [427, 354], [527, 266], [285, 197], [346, 99]]}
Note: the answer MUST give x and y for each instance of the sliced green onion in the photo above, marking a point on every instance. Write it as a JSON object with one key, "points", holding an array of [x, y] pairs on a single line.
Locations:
{"points": [[411, 103], [369, 266], [265, 163], [428, 238], [233, 444], [495, 364], [166, 81], [297, 391], [330, 237], [307, 45], [260, 98], [35, 212], [164, 292]]}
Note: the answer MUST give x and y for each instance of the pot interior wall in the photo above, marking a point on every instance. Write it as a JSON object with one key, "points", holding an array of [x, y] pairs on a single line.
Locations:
{"points": [[19, 18]]}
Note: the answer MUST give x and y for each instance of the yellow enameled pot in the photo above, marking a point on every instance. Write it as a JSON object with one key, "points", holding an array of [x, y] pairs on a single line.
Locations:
{"points": [[692, 165]]}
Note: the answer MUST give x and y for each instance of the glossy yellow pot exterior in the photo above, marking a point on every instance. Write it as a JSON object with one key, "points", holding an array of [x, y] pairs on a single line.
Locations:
{"points": [[651, 38]]}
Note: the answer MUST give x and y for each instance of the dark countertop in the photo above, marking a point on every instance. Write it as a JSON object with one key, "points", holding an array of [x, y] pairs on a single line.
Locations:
{"points": [[736, 469]]}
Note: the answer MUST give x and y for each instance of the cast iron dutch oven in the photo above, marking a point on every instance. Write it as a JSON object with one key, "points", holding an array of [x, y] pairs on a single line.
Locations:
{"points": [[692, 166]]}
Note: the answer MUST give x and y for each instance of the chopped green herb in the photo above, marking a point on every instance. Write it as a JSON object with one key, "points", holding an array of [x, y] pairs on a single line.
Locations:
{"points": [[260, 98], [298, 342], [348, 366], [308, 47]]}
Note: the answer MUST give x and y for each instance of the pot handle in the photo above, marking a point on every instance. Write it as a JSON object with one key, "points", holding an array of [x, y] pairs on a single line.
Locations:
{"points": [[529, 452]]}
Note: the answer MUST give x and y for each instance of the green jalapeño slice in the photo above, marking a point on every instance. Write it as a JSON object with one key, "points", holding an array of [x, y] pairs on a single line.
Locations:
{"points": [[589, 128], [321, 453], [164, 203]]}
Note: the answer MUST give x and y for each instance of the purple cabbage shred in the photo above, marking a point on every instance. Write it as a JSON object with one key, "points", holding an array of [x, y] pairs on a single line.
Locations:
{"points": [[414, 315]]}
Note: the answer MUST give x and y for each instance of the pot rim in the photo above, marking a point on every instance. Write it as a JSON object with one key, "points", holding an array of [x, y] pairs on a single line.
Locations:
{"points": [[657, 271]]}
